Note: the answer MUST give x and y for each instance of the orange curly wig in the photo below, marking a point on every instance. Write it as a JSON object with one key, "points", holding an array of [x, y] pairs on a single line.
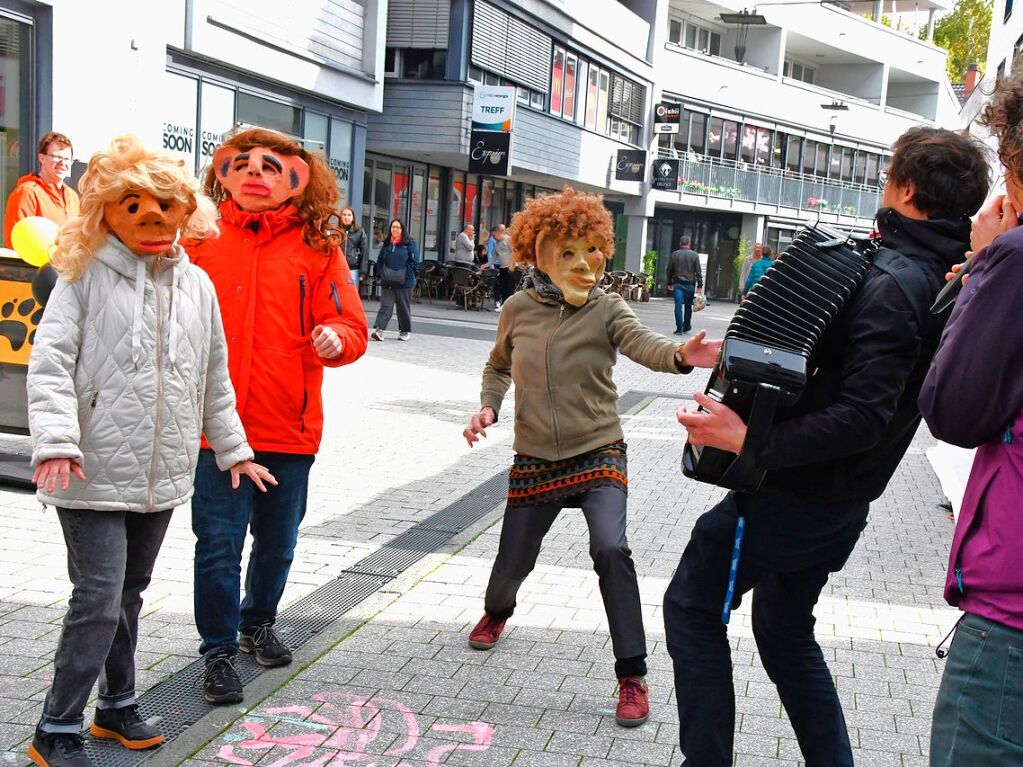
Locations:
{"points": [[318, 204], [569, 215]]}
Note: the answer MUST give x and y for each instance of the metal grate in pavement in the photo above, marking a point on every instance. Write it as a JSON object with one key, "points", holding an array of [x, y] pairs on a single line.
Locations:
{"points": [[471, 507], [400, 553]]}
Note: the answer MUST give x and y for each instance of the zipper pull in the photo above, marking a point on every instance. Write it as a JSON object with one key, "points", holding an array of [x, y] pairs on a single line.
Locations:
{"points": [[1007, 435], [95, 396], [959, 580]]}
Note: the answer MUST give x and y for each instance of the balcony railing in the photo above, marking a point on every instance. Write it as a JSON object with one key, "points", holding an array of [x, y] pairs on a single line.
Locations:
{"points": [[731, 180]]}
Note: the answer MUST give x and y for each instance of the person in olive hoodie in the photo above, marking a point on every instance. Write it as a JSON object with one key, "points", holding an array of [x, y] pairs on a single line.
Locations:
{"points": [[558, 340]]}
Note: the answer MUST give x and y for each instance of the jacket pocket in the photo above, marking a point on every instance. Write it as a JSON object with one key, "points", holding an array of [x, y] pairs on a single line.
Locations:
{"points": [[576, 415], [198, 409], [533, 417], [335, 297], [86, 419]]}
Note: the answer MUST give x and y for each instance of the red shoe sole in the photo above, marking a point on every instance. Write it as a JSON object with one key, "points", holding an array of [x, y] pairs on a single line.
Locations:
{"points": [[631, 722], [476, 644]]}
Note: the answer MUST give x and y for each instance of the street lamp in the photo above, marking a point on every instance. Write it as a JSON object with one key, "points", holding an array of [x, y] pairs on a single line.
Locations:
{"points": [[742, 20]]}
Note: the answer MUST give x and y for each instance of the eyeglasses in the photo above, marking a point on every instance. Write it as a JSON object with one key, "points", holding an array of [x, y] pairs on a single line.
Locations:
{"points": [[61, 158]]}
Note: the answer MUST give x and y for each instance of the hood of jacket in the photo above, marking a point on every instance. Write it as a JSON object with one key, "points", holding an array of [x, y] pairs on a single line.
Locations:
{"points": [[116, 255], [36, 181], [935, 244]]}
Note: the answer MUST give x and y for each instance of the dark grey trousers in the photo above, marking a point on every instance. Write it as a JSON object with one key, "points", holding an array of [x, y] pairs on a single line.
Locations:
{"points": [[110, 558], [388, 298], [522, 533]]}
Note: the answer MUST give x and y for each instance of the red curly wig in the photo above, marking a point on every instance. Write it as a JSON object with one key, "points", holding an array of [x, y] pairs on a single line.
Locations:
{"points": [[318, 204], [568, 215]]}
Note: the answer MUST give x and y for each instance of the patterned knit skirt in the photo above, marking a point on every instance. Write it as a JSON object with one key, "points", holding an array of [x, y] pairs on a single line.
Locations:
{"points": [[534, 481]]}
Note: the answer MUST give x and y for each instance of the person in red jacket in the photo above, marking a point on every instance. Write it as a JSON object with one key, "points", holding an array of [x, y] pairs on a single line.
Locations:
{"points": [[290, 308]]}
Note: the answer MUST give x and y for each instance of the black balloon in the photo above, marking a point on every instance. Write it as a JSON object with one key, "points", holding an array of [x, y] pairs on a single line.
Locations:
{"points": [[42, 284]]}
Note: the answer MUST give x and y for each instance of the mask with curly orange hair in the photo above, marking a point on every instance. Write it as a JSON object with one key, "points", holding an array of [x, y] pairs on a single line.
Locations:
{"points": [[574, 264]]}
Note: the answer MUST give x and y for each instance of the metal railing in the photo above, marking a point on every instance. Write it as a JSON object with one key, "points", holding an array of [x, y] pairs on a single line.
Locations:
{"points": [[729, 179]]}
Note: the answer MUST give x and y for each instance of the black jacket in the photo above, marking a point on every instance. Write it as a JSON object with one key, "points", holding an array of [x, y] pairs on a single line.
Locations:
{"points": [[845, 436], [357, 249]]}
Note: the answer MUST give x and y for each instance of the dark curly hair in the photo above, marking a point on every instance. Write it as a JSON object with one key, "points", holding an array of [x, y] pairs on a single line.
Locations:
{"points": [[569, 214], [317, 206], [1003, 116], [947, 169]]}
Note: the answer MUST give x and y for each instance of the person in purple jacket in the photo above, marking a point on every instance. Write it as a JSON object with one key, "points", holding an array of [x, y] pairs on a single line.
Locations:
{"points": [[973, 397]]}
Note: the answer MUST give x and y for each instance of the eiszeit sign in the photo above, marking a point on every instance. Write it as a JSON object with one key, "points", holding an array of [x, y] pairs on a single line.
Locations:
{"points": [[667, 117], [490, 153], [493, 108]]}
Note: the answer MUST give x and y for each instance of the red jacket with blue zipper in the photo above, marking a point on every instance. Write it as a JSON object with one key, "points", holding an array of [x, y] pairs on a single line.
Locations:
{"points": [[273, 290]]}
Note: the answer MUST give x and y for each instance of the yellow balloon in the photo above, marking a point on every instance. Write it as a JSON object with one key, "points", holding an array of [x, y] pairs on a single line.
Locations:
{"points": [[32, 239]]}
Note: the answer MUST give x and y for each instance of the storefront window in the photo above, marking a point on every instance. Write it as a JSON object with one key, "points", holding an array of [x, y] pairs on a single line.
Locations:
{"points": [[571, 62], [340, 156], [486, 204], [400, 193], [731, 140], [17, 145], [314, 132], [415, 224], [715, 132], [256, 110], [431, 247], [557, 80], [472, 189], [455, 208], [179, 105], [749, 143], [381, 203], [217, 119], [591, 98], [698, 133], [792, 152]]}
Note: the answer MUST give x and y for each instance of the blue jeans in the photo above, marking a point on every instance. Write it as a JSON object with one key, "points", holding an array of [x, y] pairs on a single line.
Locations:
{"points": [[685, 292], [978, 716], [786, 573], [220, 518]]}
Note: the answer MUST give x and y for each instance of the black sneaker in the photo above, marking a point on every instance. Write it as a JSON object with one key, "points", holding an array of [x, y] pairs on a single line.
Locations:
{"points": [[58, 749], [267, 646], [125, 726], [221, 684]]}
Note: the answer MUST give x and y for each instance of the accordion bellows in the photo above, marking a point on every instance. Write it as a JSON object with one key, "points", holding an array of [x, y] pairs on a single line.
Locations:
{"points": [[768, 344]]}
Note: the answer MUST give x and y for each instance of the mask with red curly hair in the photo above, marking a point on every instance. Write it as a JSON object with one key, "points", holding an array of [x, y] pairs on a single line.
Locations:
{"points": [[569, 237], [262, 170]]}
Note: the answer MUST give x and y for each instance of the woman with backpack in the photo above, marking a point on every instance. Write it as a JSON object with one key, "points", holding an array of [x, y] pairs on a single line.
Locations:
{"points": [[396, 270], [356, 247]]}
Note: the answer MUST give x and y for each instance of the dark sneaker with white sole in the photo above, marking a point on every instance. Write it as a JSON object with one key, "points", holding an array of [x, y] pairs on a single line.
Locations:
{"points": [[221, 683], [265, 644], [126, 727], [59, 749]]}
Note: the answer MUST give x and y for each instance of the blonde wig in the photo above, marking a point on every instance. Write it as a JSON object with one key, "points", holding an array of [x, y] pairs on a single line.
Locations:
{"points": [[567, 215], [128, 165]]}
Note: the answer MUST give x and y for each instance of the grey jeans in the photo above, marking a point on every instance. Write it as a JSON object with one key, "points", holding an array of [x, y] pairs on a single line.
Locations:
{"points": [[523, 531], [388, 298], [110, 558]]}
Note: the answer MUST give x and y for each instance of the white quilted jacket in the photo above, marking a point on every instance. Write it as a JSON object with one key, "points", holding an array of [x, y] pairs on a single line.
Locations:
{"points": [[126, 363]]}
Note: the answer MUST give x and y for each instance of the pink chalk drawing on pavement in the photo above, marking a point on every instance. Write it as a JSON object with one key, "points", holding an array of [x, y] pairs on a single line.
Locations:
{"points": [[342, 730]]}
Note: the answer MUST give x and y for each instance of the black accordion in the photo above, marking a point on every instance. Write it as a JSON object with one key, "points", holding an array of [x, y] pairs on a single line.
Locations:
{"points": [[768, 344]]}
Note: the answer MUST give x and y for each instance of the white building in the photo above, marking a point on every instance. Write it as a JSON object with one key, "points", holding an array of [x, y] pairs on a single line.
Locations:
{"points": [[795, 127]]}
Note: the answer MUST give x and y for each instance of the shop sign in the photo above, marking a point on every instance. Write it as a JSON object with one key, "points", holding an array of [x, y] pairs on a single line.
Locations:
{"points": [[667, 117], [631, 165], [490, 153], [493, 108], [666, 175]]}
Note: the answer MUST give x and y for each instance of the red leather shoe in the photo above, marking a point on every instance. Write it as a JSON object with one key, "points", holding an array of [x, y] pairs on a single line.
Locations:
{"points": [[633, 702], [486, 633]]}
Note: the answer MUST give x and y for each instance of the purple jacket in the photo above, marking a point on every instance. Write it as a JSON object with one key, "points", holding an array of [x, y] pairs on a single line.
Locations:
{"points": [[973, 397]]}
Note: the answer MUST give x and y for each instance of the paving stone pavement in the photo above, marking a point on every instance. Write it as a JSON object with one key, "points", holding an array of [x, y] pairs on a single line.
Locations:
{"points": [[405, 689]]}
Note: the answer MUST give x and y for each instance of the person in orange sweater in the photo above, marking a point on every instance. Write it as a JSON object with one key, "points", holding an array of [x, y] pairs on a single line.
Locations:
{"points": [[44, 193], [290, 308]]}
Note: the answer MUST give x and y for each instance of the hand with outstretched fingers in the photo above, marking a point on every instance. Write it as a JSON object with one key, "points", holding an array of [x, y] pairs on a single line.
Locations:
{"points": [[717, 426], [478, 425], [700, 353], [327, 342], [258, 474], [48, 473]]}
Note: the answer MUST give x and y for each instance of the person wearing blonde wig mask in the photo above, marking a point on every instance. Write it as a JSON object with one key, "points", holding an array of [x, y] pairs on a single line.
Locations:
{"points": [[558, 340], [129, 367]]}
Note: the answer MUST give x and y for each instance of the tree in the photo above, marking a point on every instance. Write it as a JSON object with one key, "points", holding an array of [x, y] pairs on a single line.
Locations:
{"points": [[964, 34]]}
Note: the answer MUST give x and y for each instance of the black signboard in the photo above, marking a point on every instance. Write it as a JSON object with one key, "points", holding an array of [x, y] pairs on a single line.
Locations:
{"points": [[631, 165], [666, 175], [489, 153], [668, 113]]}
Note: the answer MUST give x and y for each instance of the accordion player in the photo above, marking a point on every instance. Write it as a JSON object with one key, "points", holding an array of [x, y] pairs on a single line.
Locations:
{"points": [[768, 344]]}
